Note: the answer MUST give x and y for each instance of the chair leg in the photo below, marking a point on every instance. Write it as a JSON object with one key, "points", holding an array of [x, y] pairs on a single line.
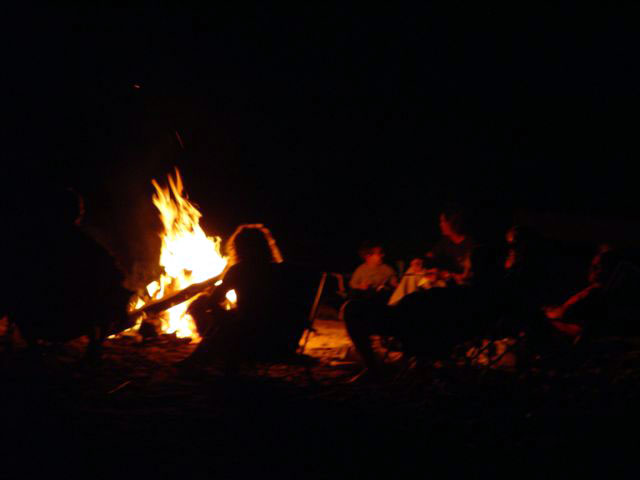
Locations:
{"points": [[312, 313]]}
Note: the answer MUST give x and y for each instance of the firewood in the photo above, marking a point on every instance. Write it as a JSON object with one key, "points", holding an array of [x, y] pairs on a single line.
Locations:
{"points": [[157, 306]]}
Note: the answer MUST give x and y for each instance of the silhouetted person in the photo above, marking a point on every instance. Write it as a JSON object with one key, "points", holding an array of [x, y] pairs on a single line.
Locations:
{"points": [[372, 277], [528, 266], [451, 256], [585, 312], [269, 317], [64, 284]]}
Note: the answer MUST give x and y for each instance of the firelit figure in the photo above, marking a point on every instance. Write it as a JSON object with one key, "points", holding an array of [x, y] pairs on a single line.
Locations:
{"points": [[586, 311], [429, 322], [64, 284], [273, 300]]}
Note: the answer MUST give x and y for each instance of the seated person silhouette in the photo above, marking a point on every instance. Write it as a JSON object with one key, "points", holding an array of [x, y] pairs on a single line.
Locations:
{"points": [[269, 316], [527, 265], [372, 278], [585, 312], [77, 285], [450, 258], [448, 263]]}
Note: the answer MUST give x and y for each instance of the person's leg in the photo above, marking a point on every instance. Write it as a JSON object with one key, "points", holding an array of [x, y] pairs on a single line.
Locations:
{"points": [[427, 322], [218, 339], [202, 312], [411, 322], [364, 318]]}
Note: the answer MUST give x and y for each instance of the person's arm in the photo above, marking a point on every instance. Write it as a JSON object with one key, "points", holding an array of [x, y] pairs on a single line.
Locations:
{"points": [[569, 317], [229, 282], [389, 278], [570, 329], [357, 281], [557, 312], [442, 258]]}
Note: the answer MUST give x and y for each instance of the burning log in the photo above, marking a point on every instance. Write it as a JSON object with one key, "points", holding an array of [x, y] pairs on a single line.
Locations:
{"points": [[165, 303], [191, 260]]}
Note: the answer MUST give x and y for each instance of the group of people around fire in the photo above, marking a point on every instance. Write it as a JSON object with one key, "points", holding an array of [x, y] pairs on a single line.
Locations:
{"points": [[463, 287]]}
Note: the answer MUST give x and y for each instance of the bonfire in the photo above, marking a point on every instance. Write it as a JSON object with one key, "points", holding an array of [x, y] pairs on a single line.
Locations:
{"points": [[188, 257]]}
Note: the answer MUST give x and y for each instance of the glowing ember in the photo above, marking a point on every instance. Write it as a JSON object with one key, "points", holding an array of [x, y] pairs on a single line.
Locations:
{"points": [[231, 296], [232, 299], [188, 255]]}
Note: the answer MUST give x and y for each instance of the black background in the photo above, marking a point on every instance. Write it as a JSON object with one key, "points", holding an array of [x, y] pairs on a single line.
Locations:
{"points": [[331, 126]]}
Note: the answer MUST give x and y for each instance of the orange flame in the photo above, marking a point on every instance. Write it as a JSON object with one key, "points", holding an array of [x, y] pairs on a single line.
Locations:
{"points": [[187, 255]]}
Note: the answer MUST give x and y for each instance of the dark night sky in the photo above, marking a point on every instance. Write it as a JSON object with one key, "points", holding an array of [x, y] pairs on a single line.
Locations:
{"points": [[330, 126]]}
